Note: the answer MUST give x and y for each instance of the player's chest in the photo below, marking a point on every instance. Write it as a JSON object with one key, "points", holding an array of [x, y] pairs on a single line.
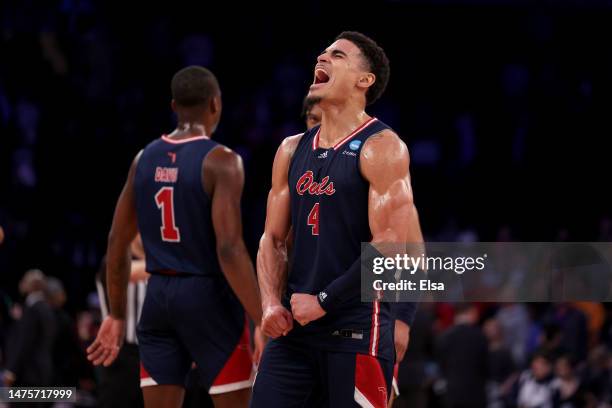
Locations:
{"points": [[325, 174]]}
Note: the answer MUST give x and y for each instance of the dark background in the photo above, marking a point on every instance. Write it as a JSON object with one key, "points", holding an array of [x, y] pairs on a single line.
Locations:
{"points": [[504, 105]]}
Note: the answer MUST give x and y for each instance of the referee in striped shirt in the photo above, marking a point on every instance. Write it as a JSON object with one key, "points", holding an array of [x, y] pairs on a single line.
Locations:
{"points": [[119, 384]]}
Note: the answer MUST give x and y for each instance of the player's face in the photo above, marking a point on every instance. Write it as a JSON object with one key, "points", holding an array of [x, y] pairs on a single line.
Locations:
{"points": [[338, 71], [540, 368], [563, 369], [313, 117]]}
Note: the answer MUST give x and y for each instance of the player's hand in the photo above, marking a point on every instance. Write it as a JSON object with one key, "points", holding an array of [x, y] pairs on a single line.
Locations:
{"points": [[105, 348], [259, 340], [306, 308], [402, 337], [276, 321]]}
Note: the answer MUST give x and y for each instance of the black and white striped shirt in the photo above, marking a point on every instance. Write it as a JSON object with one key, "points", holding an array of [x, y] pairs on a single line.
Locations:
{"points": [[135, 299]]}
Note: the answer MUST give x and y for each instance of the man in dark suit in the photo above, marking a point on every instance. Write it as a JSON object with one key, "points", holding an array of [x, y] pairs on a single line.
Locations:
{"points": [[462, 354], [30, 352]]}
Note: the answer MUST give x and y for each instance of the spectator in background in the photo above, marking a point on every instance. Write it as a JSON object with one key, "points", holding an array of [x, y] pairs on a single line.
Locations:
{"points": [[514, 321], [573, 325], [569, 391], [30, 349], [535, 386], [502, 370], [415, 370], [551, 341], [595, 315], [67, 353], [598, 376], [463, 357]]}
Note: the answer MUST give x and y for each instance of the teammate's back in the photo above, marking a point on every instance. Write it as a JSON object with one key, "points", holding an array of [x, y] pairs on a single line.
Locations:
{"points": [[174, 211], [183, 194]]}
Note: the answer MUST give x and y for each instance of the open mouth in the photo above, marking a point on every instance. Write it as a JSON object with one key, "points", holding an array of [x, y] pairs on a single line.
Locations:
{"points": [[321, 76]]}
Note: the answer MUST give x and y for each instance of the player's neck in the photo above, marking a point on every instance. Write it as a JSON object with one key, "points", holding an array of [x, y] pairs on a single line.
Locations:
{"points": [[190, 129], [338, 121]]}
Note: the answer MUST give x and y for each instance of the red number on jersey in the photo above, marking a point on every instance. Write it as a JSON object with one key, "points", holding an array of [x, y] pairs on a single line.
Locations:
{"points": [[313, 219], [165, 202]]}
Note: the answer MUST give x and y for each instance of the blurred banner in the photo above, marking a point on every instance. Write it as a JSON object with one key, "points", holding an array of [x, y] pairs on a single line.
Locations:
{"points": [[487, 272]]}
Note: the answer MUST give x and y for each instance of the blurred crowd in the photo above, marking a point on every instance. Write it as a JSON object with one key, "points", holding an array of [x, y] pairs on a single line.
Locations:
{"points": [[508, 355], [504, 108], [40, 343], [533, 355]]}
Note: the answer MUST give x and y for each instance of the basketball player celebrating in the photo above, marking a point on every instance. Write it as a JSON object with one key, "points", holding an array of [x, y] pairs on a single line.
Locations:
{"points": [[337, 185], [404, 312], [183, 195]]}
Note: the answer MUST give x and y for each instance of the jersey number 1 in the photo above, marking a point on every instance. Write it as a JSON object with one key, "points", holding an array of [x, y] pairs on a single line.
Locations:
{"points": [[165, 202], [313, 219]]}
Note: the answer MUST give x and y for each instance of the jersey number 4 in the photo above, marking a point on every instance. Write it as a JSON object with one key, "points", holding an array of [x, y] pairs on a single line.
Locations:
{"points": [[165, 202], [313, 219]]}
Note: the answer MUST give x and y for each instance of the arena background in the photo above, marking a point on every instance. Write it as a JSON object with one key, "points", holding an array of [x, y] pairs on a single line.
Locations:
{"points": [[504, 104]]}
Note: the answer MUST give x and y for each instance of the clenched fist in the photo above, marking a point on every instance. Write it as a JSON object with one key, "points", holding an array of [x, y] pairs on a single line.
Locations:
{"points": [[306, 308], [276, 321]]}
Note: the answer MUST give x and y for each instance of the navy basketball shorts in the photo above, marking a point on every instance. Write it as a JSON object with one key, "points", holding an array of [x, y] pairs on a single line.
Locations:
{"points": [[297, 375], [197, 320]]}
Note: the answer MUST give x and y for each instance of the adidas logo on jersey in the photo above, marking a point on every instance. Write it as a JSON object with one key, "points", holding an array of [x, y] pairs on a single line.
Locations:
{"points": [[323, 155]]}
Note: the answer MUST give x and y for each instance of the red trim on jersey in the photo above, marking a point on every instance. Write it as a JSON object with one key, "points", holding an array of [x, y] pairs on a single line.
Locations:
{"points": [[315, 140], [238, 370], [375, 330], [370, 384], [349, 137], [145, 378], [143, 372], [179, 141]]}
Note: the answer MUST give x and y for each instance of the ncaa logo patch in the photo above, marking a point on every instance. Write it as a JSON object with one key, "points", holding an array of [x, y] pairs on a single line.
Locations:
{"points": [[354, 145]]}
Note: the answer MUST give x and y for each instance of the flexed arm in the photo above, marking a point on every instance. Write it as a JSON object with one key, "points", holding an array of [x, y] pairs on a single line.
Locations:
{"points": [[272, 255], [392, 217]]}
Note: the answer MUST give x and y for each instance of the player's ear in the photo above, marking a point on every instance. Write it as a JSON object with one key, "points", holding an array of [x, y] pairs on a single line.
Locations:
{"points": [[366, 80], [215, 103], [173, 105]]}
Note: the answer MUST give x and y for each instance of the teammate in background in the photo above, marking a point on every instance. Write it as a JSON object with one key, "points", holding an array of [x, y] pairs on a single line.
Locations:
{"points": [[404, 312], [337, 185], [311, 113], [183, 195]]}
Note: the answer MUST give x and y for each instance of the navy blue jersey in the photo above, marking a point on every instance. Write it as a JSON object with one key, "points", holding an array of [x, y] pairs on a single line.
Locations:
{"points": [[329, 215], [174, 211]]}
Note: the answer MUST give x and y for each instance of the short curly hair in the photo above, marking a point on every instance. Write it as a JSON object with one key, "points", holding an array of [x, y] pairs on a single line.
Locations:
{"points": [[377, 60], [193, 86]]}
